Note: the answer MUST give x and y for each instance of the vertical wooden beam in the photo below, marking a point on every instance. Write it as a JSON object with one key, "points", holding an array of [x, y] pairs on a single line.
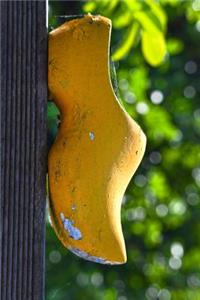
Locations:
{"points": [[22, 149]]}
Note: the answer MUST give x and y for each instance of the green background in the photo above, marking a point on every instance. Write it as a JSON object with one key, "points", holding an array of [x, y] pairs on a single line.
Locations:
{"points": [[156, 48]]}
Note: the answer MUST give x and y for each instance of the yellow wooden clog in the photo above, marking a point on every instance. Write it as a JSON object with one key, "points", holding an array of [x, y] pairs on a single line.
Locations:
{"points": [[98, 146]]}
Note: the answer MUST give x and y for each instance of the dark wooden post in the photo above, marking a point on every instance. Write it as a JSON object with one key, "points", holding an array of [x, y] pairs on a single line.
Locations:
{"points": [[23, 149]]}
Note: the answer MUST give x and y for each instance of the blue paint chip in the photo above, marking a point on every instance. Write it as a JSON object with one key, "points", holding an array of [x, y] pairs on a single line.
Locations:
{"points": [[91, 135], [73, 231], [92, 258]]}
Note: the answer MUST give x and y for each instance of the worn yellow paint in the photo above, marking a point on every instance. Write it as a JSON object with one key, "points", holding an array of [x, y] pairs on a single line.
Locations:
{"points": [[98, 146]]}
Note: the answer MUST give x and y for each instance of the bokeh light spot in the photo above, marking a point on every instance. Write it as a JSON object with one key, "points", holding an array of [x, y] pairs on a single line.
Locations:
{"points": [[140, 180], [82, 279], [55, 257], [177, 249], [164, 294], [162, 210], [189, 92], [190, 67], [142, 108], [175, 263], [155, 157], [97, 279], [156, 97]]}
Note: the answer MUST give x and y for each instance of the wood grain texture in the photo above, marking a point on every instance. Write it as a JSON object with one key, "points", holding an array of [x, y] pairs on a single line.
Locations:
{"points": [[23, 149]]}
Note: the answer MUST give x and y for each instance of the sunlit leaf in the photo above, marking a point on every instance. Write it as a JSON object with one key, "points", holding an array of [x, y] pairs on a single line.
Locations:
{"points": [[104, 4], [122, 19], [90, 6], [134, 5], [111, 5], [158, 12], [148, 21], [153, 47], [193, 13], [127, 42]]}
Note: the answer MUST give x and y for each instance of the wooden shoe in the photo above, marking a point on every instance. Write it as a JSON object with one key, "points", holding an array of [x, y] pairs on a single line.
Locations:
{"points": [[98, 147]]}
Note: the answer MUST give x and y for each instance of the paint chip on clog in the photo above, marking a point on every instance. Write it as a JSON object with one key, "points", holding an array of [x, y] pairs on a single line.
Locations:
{"points": [[73, 231], [91, 135]]}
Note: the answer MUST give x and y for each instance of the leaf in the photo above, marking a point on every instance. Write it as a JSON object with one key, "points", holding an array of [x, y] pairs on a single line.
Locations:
{"points": [[90, 6], [52, 110], [148, 21], [158, 12], [122, 19], [160, 125], [134, 5], [153, 47], [153, 41], [112, 5], [127, 43], [174, 46]]}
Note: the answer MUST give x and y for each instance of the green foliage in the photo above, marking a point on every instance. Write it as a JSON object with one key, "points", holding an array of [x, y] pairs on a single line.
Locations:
{"points": [[127, 43], [53, 120], [174, 46], [143, 20], [161, 207]]}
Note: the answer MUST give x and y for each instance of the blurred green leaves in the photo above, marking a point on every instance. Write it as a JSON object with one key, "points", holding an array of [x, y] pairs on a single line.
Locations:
{"points": [[127, 43], [174, 46], [153, 47], [139, 20]]}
